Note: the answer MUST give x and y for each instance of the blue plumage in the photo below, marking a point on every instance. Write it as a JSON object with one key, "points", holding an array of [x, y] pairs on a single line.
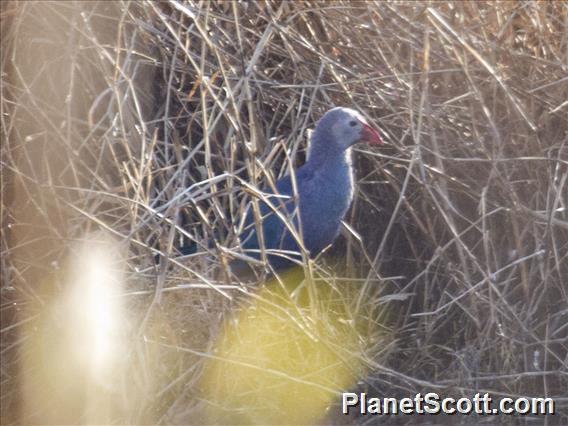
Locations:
{"points": [[324, 192]]}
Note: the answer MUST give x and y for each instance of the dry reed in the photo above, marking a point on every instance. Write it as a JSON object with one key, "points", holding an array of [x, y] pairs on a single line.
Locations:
{"points": [[159, 123]]}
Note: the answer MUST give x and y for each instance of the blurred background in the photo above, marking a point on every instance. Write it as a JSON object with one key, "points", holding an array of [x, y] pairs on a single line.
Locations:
{"points": [[130, 128]]}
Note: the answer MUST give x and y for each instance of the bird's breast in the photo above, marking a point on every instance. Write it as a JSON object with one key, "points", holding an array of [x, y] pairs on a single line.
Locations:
{"points": [[325, 206]]}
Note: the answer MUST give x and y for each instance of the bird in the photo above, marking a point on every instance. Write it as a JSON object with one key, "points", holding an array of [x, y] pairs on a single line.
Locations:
{"points": [[315, 200]]}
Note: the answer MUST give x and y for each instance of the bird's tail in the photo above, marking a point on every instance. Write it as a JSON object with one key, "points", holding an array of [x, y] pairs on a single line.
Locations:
{"points": [[189, 248]]}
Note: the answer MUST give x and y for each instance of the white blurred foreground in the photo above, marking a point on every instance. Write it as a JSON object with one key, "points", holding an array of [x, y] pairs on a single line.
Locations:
{"points": [[76, 348]]}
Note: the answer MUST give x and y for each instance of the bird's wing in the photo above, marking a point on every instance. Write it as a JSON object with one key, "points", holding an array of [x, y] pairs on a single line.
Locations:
{"points": [[304, 179], [276, 235]]}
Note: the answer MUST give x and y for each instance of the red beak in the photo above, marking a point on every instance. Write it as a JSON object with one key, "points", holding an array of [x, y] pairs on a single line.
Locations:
{"points": [[371, 136]]}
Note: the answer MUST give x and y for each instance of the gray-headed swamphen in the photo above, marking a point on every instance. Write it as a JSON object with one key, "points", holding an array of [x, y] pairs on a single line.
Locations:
{"points": [[324, 190]]}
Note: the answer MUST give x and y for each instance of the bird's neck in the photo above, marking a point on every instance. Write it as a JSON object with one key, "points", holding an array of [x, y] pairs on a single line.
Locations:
{"points": [[335, 170], [327, 155], [338, 161]]}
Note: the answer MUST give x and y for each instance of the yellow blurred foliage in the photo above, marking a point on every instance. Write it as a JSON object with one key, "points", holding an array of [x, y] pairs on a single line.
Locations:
{"points": [[286, 356]]}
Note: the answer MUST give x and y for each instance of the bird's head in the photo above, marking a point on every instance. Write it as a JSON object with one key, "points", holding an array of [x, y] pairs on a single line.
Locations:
{"points": [[345, 127]]}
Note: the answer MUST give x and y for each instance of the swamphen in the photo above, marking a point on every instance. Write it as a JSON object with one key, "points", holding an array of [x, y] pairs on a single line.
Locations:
{"points": [[324, 187]]}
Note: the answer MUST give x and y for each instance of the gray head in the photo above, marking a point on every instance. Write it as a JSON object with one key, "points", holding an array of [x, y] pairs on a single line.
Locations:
{"points": [[339, 129]]}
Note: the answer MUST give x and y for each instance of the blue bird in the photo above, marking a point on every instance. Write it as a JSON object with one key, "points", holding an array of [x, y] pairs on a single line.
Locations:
{"points": [[324, 191]]}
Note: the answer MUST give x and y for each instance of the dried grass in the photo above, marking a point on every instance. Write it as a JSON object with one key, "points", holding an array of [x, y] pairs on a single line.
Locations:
{"points": [[159, 122]]}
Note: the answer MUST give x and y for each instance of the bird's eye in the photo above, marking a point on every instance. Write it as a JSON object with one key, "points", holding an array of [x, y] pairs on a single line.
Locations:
{"points": [[352, 123]]}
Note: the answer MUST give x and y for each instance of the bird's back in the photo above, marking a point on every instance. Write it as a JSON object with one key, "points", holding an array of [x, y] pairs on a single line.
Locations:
{"points": [[322, 199]]}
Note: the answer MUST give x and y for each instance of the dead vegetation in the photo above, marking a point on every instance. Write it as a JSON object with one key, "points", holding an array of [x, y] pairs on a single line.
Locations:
{"points": [[159, 122]]}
